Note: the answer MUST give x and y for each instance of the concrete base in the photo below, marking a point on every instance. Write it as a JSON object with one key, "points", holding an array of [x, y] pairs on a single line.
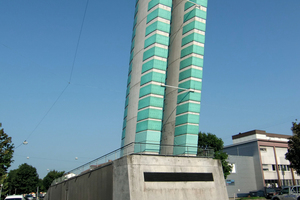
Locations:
{"points": [[148, 177]]}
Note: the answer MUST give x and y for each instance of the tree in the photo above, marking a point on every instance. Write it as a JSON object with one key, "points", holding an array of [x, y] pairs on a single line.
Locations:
{"points": [[11, 182], [26, 179], [52, 175], [212, 141], [293, 154], [6, 152]]}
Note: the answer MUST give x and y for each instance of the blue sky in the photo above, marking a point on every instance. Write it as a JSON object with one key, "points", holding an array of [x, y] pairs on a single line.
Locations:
{"points": [[250, 79]]}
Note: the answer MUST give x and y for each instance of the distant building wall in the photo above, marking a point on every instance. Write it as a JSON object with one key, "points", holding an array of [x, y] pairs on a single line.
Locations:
{"points": [[242, 179]]}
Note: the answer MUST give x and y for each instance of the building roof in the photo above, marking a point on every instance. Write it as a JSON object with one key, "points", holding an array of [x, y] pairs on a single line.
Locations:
{"points": [[253, 132]]}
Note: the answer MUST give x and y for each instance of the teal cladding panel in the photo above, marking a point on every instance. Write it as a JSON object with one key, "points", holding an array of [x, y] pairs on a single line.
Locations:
{"points": [[124, 123], [193, 37], [163, 2], [125, 112], [192, 49], [187, 118], [130, 68], [148, 125], [122, 143], [132, 44], [187, 140], [152, 89], [190, 84], [155, 51], [127, 91], [151, 101], [186, 129], [126, 101], [134, 22], [188, 107], [129, 79], [193, 25], [149, 113], [199, 2], [196, 73], [153, 76], [184, 150], [194, 13], [136, 9], [131, 56], [193, 96], [123, 133], [158, 26], [142, 147], [148, 137], [156, 38], [154, 64], [191, 61], [133, 33], [159, 12]]}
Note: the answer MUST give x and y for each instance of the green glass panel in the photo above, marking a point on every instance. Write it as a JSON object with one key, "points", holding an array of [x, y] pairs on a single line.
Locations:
{"points": [[130, 68], [123, 133], [155, 51], [131, 56], [186, 129], [125, 112], [194, 13], [193, 96], [163, 2], [153, 76], [190, 84], [124, 123], [188, 118], [156, 38], [188, 107], [149, 113], [154, 64], [199, 2], [148, 125], [157, 26], [159, 12], [128, 79], [193, 37], [152, 89], [195, 73], [193, 25], [151, 101], [192, 49], [191, 61]]}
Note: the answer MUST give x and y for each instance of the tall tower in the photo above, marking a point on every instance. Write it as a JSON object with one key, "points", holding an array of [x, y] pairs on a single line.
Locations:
{"points": [[165, 76]]}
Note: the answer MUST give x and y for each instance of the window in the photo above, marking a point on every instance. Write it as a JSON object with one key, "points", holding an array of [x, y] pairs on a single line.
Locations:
{"points": [[285, 190], [273, 167], [265, 167], [233, 169], [263, 149], [230, 182]]}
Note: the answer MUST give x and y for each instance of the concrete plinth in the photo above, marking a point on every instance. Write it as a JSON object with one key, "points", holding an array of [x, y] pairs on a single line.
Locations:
{"points": [[148, 177]]}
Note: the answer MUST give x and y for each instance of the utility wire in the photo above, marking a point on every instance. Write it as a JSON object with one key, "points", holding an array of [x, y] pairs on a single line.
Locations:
{"points": [[76, 50], [71, 74]]}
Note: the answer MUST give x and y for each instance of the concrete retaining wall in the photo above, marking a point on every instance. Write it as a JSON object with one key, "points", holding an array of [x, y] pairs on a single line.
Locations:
{"points": [[93, 185]]}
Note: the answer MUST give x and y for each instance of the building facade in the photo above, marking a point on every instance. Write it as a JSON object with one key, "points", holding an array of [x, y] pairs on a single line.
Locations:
{"points": [[164, 84], [267, 152]]}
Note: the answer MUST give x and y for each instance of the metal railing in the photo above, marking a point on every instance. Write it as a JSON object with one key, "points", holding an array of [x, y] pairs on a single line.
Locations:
{"points": [[137, 148]]}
